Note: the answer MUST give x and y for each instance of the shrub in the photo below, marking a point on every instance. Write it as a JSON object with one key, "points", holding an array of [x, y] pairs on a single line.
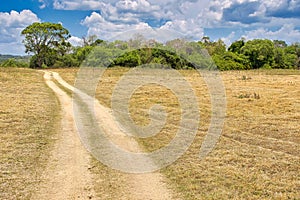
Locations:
{"points": [[13, 63]]}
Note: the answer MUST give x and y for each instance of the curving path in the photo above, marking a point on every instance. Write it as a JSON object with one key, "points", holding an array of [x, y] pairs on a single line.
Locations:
{"points": [[67, 175]]}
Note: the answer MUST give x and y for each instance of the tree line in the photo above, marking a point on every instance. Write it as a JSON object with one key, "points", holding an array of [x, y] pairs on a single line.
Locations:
{"points": [[49, 45]]}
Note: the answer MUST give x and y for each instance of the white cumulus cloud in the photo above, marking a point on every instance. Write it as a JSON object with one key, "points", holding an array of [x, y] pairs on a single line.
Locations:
{"points": [[116, 17], [77, 4], [228, 40], [104, 29], [137, 5], [76, 41], [287, 33], [11, 26], [190, 17], [188, 28]]}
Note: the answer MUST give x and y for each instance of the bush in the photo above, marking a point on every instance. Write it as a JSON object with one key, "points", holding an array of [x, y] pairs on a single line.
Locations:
{"points": [[231, 61], [14, 63], [33, 62]]}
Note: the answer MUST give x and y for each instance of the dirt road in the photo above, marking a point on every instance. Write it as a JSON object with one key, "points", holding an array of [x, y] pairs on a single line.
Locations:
{"points": [[67, 175]]}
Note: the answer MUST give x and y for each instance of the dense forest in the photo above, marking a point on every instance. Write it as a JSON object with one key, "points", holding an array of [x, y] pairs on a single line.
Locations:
{"points": [[50, 48]]}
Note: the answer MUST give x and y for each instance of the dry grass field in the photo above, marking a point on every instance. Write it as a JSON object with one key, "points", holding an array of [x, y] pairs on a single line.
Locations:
{"points": [[257, 156], [28, 121]]}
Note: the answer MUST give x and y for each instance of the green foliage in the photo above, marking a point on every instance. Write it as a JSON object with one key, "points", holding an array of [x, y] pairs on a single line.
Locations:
{"points": [[33, 62], [259, 52], [256, 54], [280, 44], [213, 48], [293, 55], [102, 56], [129, 59], [48, 42], [180, 54], [291, 61], [92, 41], [236, 46], [164, 57], [231, 61], [44, 40], [23, 59], [284, 60], [13, 63]]}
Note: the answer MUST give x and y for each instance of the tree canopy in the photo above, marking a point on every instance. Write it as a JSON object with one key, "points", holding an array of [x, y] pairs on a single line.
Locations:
{"points": [[255, 54], [45, 41], [49, 44]]}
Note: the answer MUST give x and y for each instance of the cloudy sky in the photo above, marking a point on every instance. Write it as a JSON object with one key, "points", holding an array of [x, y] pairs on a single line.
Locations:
{"points": [[226, 19]]}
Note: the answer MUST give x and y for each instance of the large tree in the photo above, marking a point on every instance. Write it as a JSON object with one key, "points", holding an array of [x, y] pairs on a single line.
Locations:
{"points": [[44, 40]]}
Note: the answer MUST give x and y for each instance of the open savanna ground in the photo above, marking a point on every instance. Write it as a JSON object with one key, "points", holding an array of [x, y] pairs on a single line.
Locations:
{"points": [[29, 116], [257, 156]]}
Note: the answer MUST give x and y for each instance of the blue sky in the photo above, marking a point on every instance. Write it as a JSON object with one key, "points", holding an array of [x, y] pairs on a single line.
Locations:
{"points": [[226, 19]]}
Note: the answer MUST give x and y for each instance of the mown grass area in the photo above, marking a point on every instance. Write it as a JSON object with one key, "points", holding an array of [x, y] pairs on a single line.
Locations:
{"points": [[257, 156], [29, 116]]}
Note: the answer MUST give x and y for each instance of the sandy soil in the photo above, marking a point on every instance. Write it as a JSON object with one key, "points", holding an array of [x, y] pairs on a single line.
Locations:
{"points": [[67, 175]]}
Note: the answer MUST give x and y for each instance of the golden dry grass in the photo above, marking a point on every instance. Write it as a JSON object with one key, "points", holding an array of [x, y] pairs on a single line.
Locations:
{"points": [[28, 120], [109, 184], [257, 156]]}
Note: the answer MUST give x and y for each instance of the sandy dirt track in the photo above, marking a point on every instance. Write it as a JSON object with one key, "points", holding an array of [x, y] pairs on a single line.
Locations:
{"points": [[67, 175]]}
